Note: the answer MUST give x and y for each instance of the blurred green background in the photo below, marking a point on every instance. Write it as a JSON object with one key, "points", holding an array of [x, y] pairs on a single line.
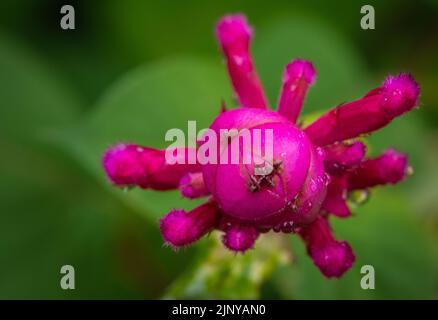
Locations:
{"points": [[133, 69]]}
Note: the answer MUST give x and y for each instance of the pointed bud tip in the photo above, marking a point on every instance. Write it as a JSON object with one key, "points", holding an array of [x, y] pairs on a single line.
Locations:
{"points": [[401, 93], [395, 165], [359, 148], [334, 259], [174, 228], [240, 238], [300, 68], [112, 152], [121, 164], [233, 28], [180, 228]]}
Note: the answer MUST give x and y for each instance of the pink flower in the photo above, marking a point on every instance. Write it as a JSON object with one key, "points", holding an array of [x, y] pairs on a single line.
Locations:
{"points": [[312, 172]]}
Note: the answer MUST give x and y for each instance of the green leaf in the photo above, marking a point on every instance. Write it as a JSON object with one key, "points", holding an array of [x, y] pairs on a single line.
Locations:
{"points": [[51, 217], [52, 214], [34, 98]]}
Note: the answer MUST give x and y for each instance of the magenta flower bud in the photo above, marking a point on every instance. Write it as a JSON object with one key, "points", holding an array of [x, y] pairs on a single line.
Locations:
{"points": [[298, 77], [340, 157], [332, 257], [234, 36], [336, 200], [240, 238], [243, 194], [233, 32], [300, 69], [133, 165], [398, 95], [264, 173], [180, 228], [192, 186], [123, 164], [390, 168]]}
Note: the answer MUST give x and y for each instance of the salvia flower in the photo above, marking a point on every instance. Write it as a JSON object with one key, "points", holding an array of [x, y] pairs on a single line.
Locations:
{"points": [[312, 172]]}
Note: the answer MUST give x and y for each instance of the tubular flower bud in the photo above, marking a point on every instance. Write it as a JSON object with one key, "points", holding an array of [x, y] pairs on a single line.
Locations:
{"points": [[133, 165], [234, 35], [298, 77], [390, 168], [332, 257], [397, 95], [180, 228], [268, 174]]}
